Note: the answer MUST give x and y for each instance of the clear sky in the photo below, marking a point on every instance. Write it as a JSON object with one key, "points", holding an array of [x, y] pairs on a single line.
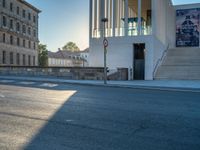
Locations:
{"points": [[62, 21]]}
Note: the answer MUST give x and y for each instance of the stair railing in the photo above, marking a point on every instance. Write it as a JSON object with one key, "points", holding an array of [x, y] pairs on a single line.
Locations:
{"points": [[160, 60]]}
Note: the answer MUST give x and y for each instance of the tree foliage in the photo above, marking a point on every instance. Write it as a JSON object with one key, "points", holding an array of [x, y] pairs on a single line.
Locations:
{"points": [[71, 46], [42, 55]]}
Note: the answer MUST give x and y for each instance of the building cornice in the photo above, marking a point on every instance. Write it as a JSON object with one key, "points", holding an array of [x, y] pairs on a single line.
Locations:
{"points": [[29, 5]]}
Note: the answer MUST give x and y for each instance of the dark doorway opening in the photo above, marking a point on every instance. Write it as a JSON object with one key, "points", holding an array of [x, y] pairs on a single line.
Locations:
{"points": [[139, 61]]}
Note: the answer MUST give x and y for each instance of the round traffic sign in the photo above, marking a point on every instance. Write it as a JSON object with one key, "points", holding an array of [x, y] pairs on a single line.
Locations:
{"points": [[105, 42]]}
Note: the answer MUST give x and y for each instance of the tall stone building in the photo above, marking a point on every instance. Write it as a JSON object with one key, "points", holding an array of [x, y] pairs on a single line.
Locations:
{"points": [[18, 33]]}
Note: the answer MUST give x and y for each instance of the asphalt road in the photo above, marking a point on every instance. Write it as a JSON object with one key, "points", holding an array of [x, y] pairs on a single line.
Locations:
{"points": [[44, 116]]}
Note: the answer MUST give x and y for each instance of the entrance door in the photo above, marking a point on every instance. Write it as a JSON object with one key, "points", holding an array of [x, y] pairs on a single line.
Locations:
{"points": [[139, 61]]}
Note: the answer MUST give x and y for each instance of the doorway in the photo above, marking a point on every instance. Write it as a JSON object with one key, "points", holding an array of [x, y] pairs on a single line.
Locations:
{"points": [[139, 61]]}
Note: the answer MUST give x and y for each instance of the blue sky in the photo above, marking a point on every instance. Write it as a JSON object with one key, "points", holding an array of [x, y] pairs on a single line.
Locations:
{"points": [[62, 21]]}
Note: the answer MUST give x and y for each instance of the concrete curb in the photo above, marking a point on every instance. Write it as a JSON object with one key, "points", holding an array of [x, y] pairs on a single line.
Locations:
{"points": [[100, 83]]}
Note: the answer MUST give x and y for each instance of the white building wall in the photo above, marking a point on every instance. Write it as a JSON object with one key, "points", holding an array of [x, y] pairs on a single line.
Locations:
{"points": [[120, 53], [163, 28], [171, 26], [159, 19], [164, 21], [120, 49]]}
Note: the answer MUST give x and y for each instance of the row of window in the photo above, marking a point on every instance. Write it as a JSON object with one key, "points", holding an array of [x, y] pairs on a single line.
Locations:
{"points": [[24, 13], [24, 43], [18, 27], [18, 57]]}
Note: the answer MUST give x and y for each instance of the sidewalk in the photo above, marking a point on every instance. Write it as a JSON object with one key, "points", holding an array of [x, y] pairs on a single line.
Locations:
{"points": [[171, 85]]}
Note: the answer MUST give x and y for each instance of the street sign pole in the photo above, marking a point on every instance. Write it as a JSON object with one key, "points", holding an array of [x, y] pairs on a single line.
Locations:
{"points": [[105, 44], [105, 66]]}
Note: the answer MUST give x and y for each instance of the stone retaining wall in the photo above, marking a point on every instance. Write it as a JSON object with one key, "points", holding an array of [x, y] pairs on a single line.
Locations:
{"points": [[73, 73]]}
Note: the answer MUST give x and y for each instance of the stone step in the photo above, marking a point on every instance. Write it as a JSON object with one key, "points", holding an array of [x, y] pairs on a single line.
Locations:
{"points": [[177, 78], [179, 68], [185, 49], [180, 63], [188, 61], [178, 72], [183, 53]]}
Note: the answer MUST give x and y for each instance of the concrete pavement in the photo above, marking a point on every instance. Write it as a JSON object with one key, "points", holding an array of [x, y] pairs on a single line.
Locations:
{"points": [[171, 85]]}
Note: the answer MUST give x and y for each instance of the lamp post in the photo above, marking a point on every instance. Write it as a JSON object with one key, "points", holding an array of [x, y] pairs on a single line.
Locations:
{"points": [[105, 44]]}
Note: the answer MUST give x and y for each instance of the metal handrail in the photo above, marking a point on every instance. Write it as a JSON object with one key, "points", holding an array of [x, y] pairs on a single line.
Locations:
{"points": [[160, 60]]}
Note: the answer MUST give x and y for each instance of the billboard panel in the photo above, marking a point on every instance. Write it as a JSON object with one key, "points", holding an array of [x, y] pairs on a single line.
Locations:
{"points": [[187, 27]]}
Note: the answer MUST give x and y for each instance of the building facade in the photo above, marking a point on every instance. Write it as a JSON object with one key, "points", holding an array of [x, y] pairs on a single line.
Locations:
{"points": [[18, 33], [63, 58], [138, 32], [85, 56]]}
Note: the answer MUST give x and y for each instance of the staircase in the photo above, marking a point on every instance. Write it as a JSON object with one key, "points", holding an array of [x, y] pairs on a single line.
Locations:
{"points": [[180, 64]]}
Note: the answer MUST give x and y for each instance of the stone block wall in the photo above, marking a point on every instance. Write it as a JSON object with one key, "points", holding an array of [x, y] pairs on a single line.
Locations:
{"points": [[120, 74], [73, 73]]}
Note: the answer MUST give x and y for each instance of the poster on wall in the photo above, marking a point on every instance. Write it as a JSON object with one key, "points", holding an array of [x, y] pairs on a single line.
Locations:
{"points": [[187, 27]]}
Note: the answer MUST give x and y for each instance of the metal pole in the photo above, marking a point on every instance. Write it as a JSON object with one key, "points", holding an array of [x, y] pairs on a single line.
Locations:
{"points": [[105, 68], [104, 20]]}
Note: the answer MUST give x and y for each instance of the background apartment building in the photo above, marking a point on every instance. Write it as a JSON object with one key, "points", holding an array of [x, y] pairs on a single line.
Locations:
{"points": [[63, 58], [18, 33]]}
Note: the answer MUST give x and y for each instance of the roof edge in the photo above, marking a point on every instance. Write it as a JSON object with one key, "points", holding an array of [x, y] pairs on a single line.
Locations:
{"points": [[30, 5], [187, 6]]}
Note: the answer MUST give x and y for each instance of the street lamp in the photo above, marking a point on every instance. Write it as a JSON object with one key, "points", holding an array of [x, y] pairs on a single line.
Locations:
{"points": [[105, 44]]}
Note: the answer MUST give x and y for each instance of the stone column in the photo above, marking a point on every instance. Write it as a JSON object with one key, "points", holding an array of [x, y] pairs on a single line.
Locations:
{"points": [[102, 15], [95, 27], [110, 17], [91, 19], [118, 17], [114, 17], [139, 17], [126, 17]]}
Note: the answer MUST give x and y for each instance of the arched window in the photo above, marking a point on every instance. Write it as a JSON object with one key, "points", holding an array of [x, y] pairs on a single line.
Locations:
{"points": [[18, 10], [11, 24], [29, 44], [11, 58], [29, 30], [18, 27], [18, 41], [24, 29], [24, 13], [4, 38], [18, 59], [4, 21], [4, 3], [34, 33], [11, 6], [24, 43], [11, 40]]}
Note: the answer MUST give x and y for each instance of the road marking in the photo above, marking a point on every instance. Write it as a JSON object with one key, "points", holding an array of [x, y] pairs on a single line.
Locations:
{"points": [[6, 81], [69, 120], [48, 85], [26, 83], [1, 95]]}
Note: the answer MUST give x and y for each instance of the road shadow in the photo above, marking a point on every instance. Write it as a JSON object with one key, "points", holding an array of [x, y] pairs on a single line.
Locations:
{"points": [[74, 127]]}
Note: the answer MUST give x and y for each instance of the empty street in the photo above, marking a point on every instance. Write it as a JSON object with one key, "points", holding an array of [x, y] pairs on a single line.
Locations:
{"points": [[49, 116]]}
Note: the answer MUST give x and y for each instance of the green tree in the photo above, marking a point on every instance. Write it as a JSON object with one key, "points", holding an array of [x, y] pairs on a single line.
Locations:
{"points": [[42, 55], [71, 46]]}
